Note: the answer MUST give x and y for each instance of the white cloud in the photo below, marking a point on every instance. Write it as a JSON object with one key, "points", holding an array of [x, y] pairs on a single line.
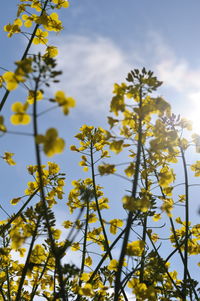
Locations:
{"points": [[91, 64], [178, 74], [90, 67]]}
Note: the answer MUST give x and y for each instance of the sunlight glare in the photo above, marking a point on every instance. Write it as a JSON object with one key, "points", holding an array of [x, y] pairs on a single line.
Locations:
{"points": [[194, 113]]}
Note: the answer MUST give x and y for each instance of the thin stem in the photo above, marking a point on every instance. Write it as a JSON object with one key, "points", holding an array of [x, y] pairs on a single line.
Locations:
{"points": [[130, 215], [84, 247], [164, 266], [7, 274], [25, 53], [26, 266], [47, 110], [178, 245], [4, 228], [144, 234], [38, 281], [106, 254], [43, 199], [186, 225], [2, 294], [19, 133], [96, 201]]}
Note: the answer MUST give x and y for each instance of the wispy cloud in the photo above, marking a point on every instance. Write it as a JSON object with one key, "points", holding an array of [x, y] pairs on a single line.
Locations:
{"points": [[91, 64]]}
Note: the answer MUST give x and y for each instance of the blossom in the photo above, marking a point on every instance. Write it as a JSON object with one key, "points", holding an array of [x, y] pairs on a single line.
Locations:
{"points": [[2, 126], [20, 116], [52, 144], [13, 28], [64, 101], [61, 3], [8, 158], [40, 37]]}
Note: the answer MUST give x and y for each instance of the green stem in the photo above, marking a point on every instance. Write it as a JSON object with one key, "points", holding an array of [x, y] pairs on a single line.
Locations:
{"points": [[43, 199], [178, 246], [7, 274], [84, 247], [25, 53], [165, 268], [35, 287], [26, 266], [97, 204], [2, 294], [106, 254], [85, 239], [186, 224], [4, 228], [144, 234], [130, 215]]}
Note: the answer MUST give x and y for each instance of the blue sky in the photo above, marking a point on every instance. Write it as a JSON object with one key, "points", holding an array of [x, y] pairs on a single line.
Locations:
{"points": [[102, 41]]}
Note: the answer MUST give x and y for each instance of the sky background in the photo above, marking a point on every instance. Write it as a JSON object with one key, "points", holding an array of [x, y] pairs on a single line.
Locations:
{"points": [[102, 41]]}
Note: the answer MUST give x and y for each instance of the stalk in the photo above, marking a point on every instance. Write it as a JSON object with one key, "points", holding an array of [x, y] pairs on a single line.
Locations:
{"points": [[25, 53], [186, 225], [7, 276], [144, 234], [130, 215], [96, 201], [43, 199], [26, 266], [84, 247]]}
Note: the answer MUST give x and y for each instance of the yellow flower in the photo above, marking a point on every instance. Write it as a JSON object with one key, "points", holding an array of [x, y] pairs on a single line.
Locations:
{"points": [[61, 3], [156, 217], [13, 28], [92, 218], [86, 290], [88, 261], [196, 139], [52, 144], [135, 248], [53, 168], [115, 224], [51, 51], [106, 169], [53, 23], [166, 176], [85, 276], [67, 224], [112, 121], [11, 80], [31, 96], [113, 265], [196, 168], [22, 252], [40, 37], [129, 171], [20, 116], [167, 206], [65, 102], [37, 5], [56, 233], [117, 146], [75, 246], [8, 158], [15, 201], [2, 126]]}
